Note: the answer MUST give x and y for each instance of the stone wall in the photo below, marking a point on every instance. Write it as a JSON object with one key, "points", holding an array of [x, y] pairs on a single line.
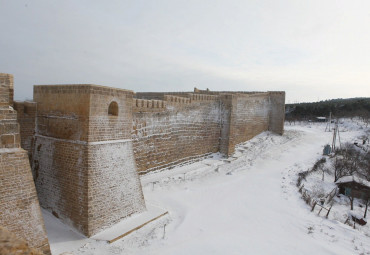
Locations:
{"points": [[114, 186], [11, 244], [60, 169], [249, 117], [277, 115], [83, 162], [26, 116], [169, 129], [19, 206], [6, 89], [188, 128]]}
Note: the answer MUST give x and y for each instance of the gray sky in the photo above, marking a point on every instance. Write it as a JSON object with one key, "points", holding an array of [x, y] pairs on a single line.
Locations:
{"points": [[314, 50]]}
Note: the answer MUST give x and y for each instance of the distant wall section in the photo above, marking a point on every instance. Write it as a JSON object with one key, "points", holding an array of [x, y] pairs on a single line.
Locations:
{"points": [[178, 130], [277, 114], [250, 114]]}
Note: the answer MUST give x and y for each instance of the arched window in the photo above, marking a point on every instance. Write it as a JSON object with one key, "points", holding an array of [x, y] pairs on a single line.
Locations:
{"points": [[113, 109]]}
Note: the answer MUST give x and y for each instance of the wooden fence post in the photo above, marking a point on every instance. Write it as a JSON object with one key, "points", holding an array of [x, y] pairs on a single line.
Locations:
{"points": [[313, 207], [327, 215]]}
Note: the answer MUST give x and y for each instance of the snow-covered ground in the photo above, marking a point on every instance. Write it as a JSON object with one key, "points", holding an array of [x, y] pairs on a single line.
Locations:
{"points": [[247, 204]]}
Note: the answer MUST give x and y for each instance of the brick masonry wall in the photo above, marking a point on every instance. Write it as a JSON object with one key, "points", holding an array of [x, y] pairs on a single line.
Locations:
{"points": [[249, 116], [11, 244], [6, 89], [60, 169], [105, 127], [82, 156], [63, 111], [26, 116], [19, 206], [114, 187], [225, 107], [9, 128], [184, 131], [277, 114]]}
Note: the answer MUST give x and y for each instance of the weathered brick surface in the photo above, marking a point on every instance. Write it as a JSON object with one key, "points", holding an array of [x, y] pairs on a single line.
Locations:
{"points": [[63, 111], [187, 125], [6, 89], [114, 186], [60, 169], [11, 244], [82, 157], [9, 128], [105, 127], [19, 206], [249, 117], [277, 115], [26, 116], [185, 130]]}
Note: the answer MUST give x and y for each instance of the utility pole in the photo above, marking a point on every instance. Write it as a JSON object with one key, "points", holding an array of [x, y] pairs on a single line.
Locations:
{"points": [[328, 124], [335, 135]]}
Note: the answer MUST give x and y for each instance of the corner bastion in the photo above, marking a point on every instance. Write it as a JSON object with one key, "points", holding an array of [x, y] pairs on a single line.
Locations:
{"points": [[82, 157]]}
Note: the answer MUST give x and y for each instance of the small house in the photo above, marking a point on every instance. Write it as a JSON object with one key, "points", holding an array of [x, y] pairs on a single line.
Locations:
{"points": [[354, 187], [320, 119]]}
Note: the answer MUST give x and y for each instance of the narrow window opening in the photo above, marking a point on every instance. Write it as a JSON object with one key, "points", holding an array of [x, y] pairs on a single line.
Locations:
{"points": [[25, 110], [113, 109]]}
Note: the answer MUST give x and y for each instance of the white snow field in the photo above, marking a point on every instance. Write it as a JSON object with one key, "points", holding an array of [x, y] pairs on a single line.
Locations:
{"points": [[247, 204]]}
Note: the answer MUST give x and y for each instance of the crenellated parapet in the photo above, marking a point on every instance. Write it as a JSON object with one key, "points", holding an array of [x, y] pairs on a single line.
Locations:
{"points": [[144, 105], [203, 97], [177, 100]]}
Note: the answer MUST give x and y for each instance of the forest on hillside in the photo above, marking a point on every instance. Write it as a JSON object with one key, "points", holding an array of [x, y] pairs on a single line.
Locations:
{"points": [[352, 107]]}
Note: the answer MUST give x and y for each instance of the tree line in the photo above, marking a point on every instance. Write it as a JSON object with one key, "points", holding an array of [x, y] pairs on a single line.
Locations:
{"points": [[352, 107]]}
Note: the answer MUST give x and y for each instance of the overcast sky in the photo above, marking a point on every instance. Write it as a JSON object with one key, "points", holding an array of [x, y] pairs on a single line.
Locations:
{"points": [[314, 50]]}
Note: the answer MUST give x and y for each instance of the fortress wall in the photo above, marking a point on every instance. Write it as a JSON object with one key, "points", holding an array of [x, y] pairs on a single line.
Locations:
{"points": [[19, 206], [184, 131], [6, 89], [26, 116], [11, 244], [159, 95], [277, 114], [114, 186], [102, 125], [60, 169], [113, 181], [225, 117], [249, 116], [59, 156], [144, 105], [62, 111], [9, 128], [83, 160]]}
